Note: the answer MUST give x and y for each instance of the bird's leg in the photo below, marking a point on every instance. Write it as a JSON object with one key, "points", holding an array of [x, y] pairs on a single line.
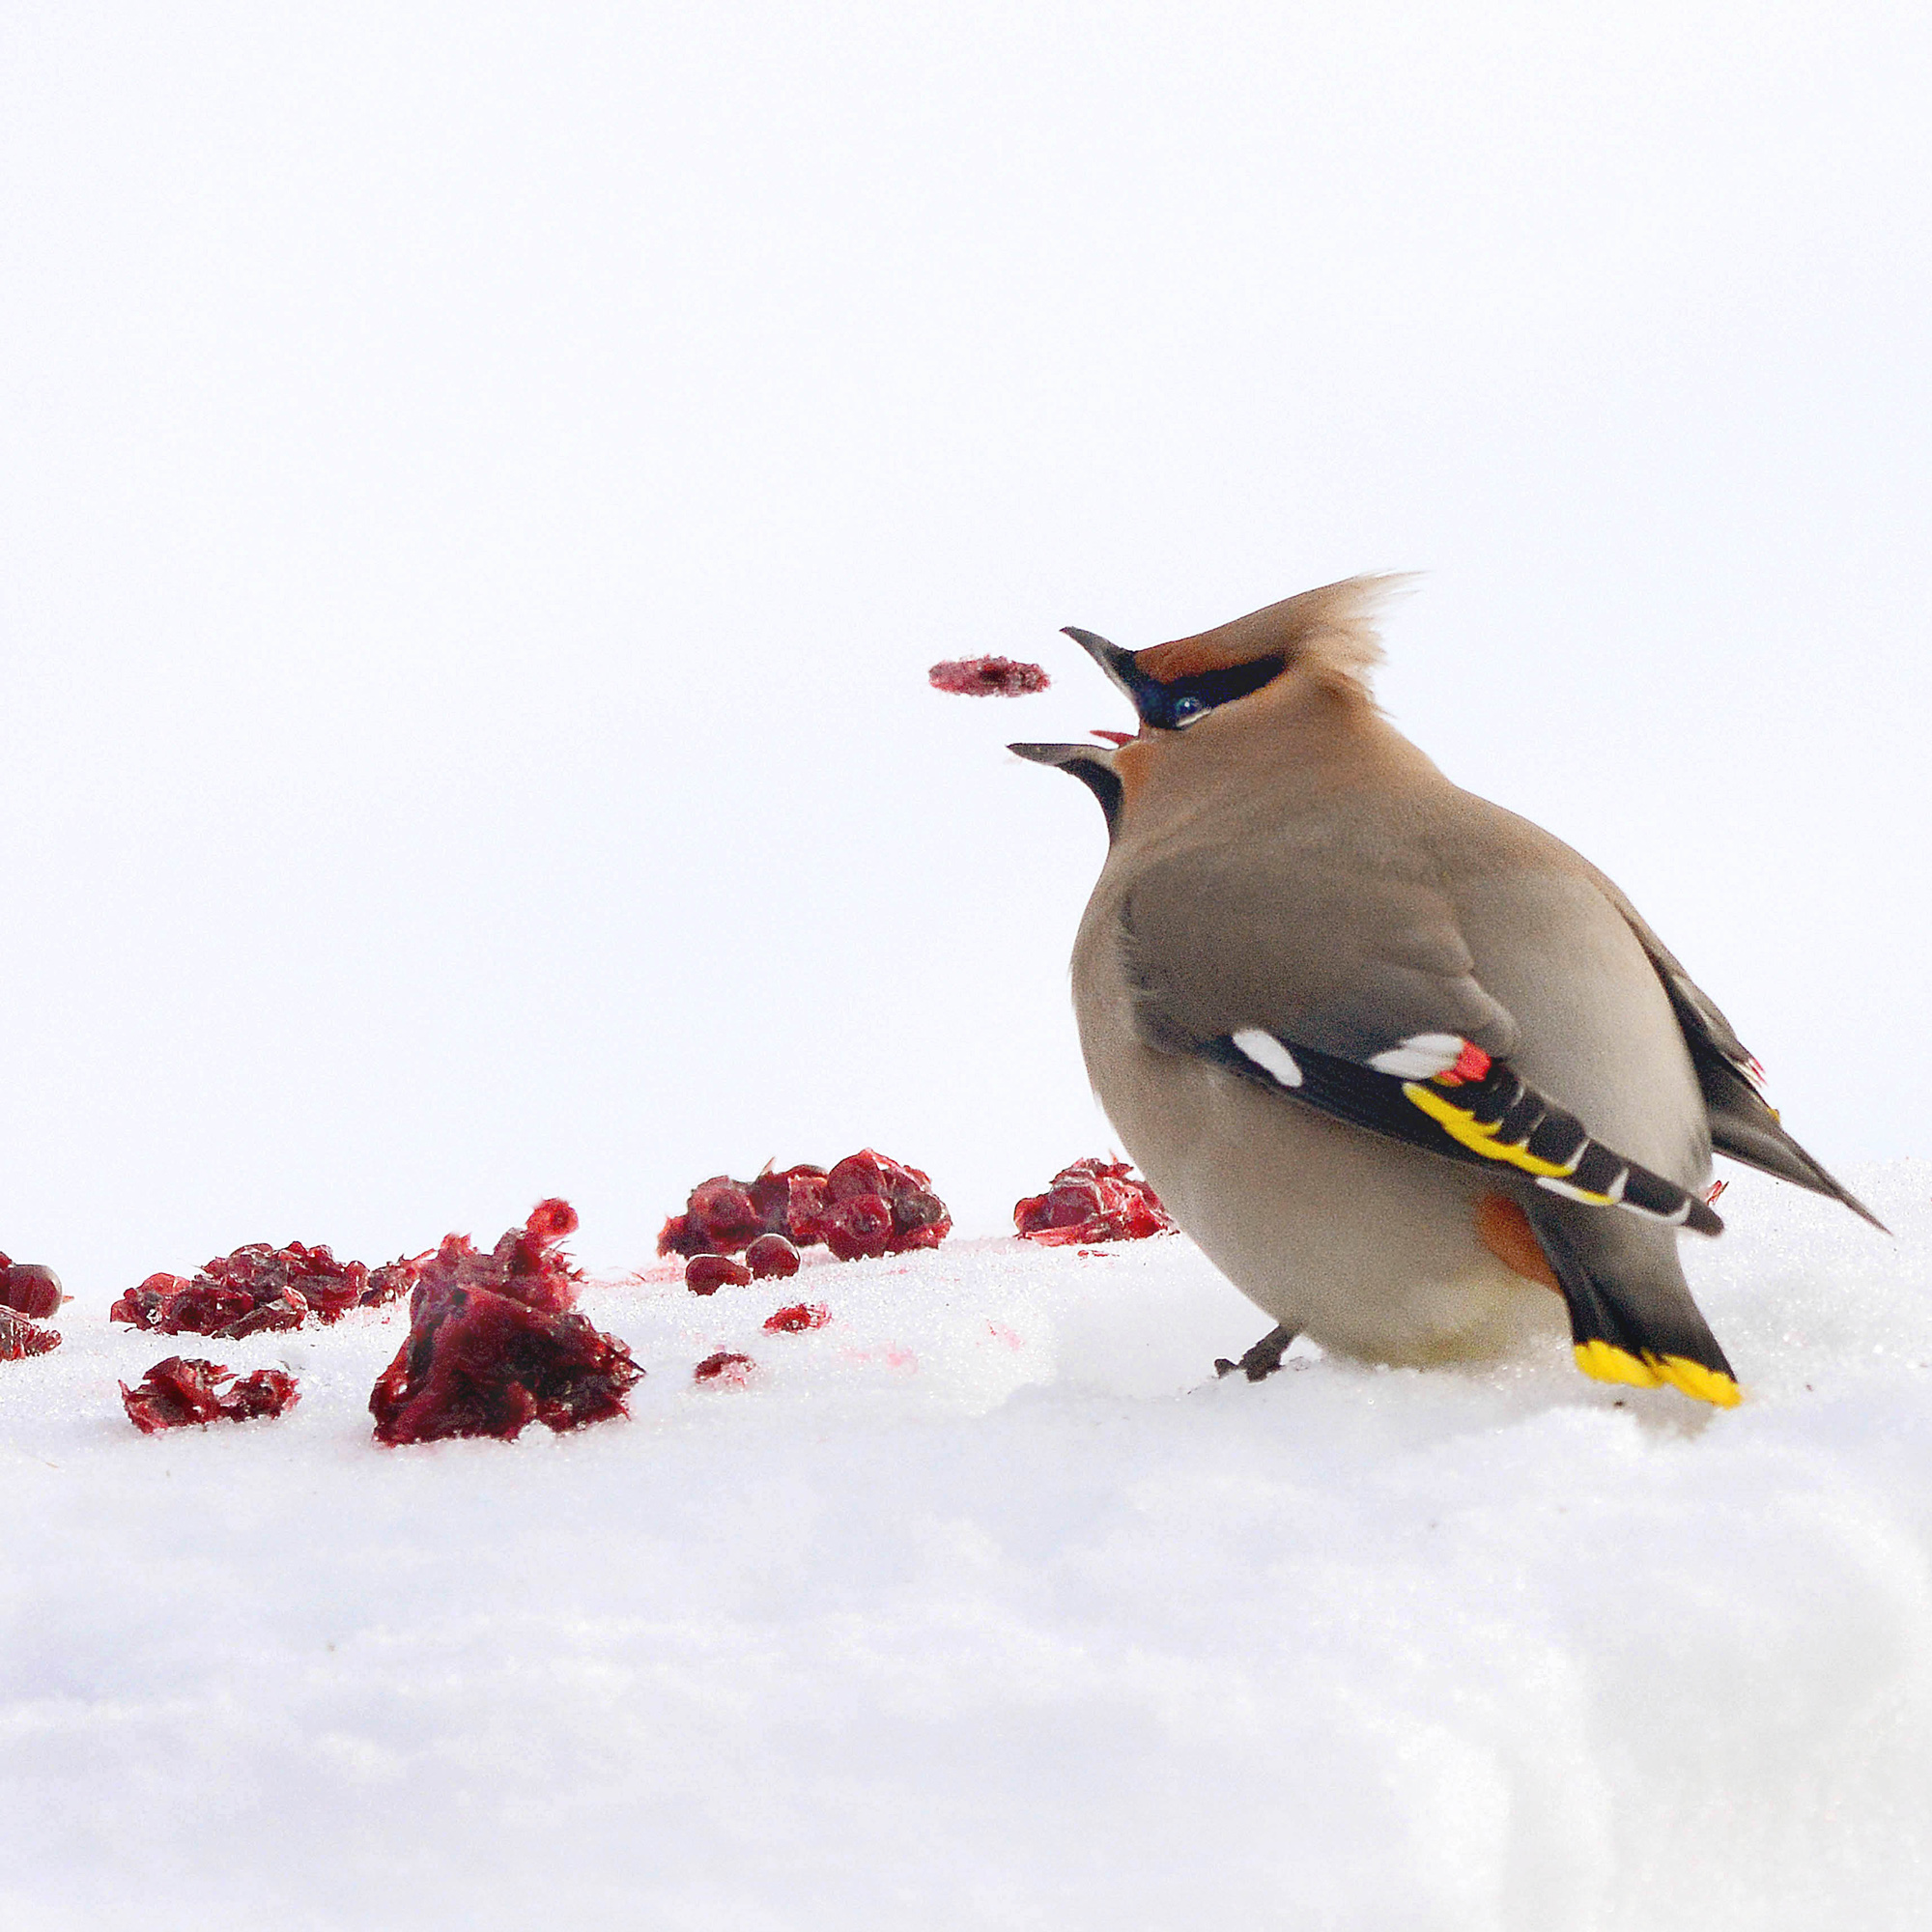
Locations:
{"points": [[1262, 1359]]}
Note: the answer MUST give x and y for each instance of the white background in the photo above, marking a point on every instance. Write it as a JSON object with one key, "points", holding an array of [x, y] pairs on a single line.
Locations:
{"points": [[483, 487]]}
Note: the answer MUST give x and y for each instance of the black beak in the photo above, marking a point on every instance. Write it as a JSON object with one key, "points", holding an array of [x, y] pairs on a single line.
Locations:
{"points": [[1119, 665], [1121, 670], [1092, 764]]}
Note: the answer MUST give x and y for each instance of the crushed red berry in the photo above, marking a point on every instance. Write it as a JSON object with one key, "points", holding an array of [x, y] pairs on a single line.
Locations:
{"points": [[21, 1337], [1093, 1200], [262, 1288], [772, 1256], [496, 1343], [185, 1390], [868, 1204], [706, 1274], [860, 1229], [797, 1318], [987, 677], [724, 1368], [29, 1289]]}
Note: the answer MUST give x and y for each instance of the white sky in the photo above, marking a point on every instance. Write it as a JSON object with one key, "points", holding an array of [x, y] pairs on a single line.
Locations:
{"points": [[483, 487]]}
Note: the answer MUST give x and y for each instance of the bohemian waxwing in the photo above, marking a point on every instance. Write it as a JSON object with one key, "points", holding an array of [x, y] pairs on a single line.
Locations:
{"points": [[1398, 1060]]}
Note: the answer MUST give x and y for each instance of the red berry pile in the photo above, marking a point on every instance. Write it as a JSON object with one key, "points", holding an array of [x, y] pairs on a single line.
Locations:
{"points": [[496, 1343], [987, 677], [865, 1205], [1093, 1201], [183, 1390], [262, 1288]]}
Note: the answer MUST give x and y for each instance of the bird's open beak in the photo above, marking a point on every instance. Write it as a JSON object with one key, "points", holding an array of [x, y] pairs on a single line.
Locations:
{"points": [[1121, 670], [1119, 665], [1059, 755], [1092, 764]]}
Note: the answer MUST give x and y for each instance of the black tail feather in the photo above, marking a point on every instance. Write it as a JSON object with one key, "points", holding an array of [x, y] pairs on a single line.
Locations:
{"points": [[1628, 1321]]}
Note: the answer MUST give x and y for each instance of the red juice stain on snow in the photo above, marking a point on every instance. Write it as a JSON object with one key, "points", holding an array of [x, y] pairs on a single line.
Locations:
{"points": [[1000, 1333], [724, 1370], [184, 1391], [797, 1318], [987, 677], [894, 1355]]}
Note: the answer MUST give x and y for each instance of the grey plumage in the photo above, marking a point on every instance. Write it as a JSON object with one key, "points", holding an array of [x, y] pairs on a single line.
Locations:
{"points": [[1296, 911]]}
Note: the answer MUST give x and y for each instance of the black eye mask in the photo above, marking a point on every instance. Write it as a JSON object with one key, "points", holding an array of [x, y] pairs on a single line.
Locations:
{"points": [[1163, 706]]}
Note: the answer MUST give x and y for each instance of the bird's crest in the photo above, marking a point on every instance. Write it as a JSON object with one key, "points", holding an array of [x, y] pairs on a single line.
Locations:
{"points": [[1329, 631]]}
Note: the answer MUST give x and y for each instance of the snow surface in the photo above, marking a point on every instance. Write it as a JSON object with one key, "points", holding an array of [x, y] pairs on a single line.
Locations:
{"points": [[988, 1605]]}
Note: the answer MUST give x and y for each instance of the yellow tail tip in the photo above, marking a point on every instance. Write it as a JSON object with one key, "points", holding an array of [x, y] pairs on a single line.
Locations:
{"points": [[1711, 1385], [1607, 1363]]}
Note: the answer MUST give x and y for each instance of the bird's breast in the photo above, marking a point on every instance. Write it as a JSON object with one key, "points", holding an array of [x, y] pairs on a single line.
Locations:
{"points": [[1365, 1244]]}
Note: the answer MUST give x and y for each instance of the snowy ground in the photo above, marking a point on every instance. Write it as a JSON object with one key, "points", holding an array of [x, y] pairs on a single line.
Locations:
{"points": [[988, 1605]]}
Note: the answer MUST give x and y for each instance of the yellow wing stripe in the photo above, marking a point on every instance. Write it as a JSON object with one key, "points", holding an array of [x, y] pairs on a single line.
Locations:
{"points": [[1459, 1124], [1607, 1363]]}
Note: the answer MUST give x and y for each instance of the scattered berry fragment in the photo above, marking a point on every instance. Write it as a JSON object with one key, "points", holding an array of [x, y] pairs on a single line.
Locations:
{"points": [[263, 1288], [1093, 1200], [496, 1343], [797, 1318], [706, 1274], [21, 1337], [771, 1255], [868, 1204], [29, 1289], [987, 677], [724, 1368], [183, 1390]]}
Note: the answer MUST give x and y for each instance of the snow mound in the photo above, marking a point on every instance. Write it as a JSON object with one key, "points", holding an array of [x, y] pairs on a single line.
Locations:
{"points": [[986, 1605]]}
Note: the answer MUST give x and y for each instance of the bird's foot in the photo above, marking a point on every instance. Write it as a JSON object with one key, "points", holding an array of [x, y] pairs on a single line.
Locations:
{"points": [[1262, 1359]]}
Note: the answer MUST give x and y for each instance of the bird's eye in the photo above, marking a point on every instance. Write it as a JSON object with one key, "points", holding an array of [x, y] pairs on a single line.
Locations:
{"points": [[1188, 709]]}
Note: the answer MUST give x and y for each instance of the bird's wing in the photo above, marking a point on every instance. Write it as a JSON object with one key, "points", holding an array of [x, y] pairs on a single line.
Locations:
{"points": [[1351, 992], [1744, 1124]]}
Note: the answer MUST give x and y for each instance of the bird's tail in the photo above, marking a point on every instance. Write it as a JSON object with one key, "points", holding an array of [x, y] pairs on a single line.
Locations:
{"points": [[1632, 1317]]}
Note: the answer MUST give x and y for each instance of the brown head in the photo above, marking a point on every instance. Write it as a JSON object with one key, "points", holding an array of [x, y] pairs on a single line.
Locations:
{"points": [[1323, 638], [1307, 654]]}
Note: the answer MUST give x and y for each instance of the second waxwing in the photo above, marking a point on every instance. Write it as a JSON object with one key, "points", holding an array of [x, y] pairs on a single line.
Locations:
{"points": [[1400, 1062]]}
